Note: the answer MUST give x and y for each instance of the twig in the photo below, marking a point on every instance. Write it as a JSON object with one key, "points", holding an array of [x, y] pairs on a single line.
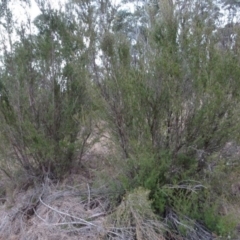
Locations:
{"points": [[67, 223], [89, 197], [40, 217], [82, 221], [186, 186], [98, 215], [67, 214]]}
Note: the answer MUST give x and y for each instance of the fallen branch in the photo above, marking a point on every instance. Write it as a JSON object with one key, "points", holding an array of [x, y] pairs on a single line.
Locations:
{"points": [[82, 221]]}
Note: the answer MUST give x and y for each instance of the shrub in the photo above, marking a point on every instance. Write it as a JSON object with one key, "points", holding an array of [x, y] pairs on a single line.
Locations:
{"points": [[134, 218], [45, 106]]}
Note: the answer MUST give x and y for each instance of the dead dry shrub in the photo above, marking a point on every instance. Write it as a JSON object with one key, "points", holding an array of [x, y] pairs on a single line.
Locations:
{"points": [[55, 212], [134, 219]]}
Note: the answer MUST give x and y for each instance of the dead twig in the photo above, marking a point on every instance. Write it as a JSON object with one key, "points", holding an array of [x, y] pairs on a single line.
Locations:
{"points": [[89, 197], [81, 221]]}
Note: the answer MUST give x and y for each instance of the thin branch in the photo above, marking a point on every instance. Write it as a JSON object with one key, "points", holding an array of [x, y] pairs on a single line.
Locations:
{"points": [[89, 197], [67, 214]]}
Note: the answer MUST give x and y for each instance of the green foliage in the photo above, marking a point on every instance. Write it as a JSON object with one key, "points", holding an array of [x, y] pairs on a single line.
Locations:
{"points": [[226, 226], [171, 101], [45, 107], [107, 44], [172, 97], [197, 205], [162, 79]]}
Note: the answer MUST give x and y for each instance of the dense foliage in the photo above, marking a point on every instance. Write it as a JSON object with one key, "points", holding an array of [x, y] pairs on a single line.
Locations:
{"points": [[163, 77]]}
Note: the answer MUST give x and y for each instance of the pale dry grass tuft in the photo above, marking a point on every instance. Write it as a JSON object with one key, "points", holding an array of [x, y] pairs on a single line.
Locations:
{"points": [[134, 219], [51, 213]]}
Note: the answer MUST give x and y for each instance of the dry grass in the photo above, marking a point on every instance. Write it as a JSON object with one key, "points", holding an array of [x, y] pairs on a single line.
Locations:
{"points": [[61, 212], [134, 219], [52, 213]]}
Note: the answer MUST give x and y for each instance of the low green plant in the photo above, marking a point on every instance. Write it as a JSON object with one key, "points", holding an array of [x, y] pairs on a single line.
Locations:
{"points": [[226, 226]]}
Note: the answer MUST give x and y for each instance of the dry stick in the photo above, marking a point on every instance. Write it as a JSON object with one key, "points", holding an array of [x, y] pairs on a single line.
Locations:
{"points": [[67, 223], [187, 187], [56, 224], [84, 145], [97, 215], [89, 196], [67, 214], [40, 217]]}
